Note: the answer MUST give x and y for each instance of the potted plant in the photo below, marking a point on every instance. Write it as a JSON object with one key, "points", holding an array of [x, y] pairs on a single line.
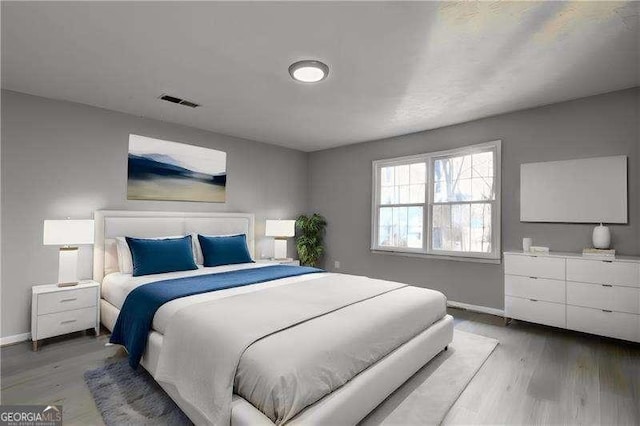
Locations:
{"points": [[309, 241]]}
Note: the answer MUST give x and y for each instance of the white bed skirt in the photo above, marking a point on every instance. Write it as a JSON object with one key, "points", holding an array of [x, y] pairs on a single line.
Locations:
{"points": [[347, 405]]}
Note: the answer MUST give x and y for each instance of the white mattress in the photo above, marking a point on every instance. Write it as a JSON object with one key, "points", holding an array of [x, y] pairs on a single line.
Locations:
{"points": [[116, 286]]}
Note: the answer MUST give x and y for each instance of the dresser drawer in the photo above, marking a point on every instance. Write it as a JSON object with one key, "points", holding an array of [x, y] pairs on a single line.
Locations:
{"points": [[535, 311], [535, 288], [603, 272], [65, 322], [61, 301], [611, 324], [604, 296], [535, 266]]}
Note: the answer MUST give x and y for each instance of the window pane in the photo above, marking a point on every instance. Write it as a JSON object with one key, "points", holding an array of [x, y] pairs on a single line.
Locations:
{"points": [[403, 194], [416, 193], [388, 195], [482, 188], [386, 176], [401, 227], [404, 184], [462, 227], [459, 235], [386, 216], [415, 222], [464, 178], [418, 173], [481, 228], [482, 164], [385, 231], [441, 227], [402, 175]]}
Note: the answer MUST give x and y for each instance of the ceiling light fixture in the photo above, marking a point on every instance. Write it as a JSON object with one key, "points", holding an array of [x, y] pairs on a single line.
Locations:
{"points": [[309, 71]]}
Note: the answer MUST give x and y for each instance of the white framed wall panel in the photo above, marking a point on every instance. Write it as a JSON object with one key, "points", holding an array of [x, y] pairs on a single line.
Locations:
{"points": [[590, 190]]}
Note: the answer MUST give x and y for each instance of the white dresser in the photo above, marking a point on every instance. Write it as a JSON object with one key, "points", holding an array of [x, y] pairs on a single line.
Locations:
{"points": [[567, 290]]}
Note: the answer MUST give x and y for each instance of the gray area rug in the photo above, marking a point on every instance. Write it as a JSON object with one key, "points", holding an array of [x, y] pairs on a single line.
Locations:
{"points": [[131, 397], [127, 397], [427, 397]]}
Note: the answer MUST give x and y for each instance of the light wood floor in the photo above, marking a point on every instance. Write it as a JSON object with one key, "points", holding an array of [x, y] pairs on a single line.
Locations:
{"points": [[536, 375]]}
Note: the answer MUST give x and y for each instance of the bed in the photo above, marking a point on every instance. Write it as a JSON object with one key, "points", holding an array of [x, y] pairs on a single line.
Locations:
{"points": [[331, 368]]}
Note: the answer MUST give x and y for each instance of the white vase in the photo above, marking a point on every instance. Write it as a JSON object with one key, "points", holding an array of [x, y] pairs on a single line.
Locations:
{"points": [[601, 237], [526, 244]]}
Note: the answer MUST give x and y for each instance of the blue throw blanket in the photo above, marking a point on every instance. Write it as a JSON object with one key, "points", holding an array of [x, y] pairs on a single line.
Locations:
{"points": [[136, 316]]}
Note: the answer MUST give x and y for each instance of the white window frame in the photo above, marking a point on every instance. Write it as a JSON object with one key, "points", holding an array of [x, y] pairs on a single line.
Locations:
{"points": [[426, 250]]}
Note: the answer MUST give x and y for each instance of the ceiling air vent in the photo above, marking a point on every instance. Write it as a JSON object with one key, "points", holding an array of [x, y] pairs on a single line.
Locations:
{"points": [[179, 101]]}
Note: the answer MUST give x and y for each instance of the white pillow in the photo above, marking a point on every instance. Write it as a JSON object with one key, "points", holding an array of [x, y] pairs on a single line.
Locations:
{"points": [[125, 261]]}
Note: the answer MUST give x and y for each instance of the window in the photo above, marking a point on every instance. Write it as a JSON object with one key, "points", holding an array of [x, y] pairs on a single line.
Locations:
{"points": [[441, 203]]}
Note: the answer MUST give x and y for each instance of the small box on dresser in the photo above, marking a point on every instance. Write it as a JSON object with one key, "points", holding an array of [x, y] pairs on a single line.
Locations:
{"points": [[568, 291], [61, 310]]}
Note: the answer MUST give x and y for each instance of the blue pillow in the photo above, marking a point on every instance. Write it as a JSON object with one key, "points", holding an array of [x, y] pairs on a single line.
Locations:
{"points": [[160, 256], [229, 250]]}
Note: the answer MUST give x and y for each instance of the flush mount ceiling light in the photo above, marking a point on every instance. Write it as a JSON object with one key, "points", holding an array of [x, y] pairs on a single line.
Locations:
{"points": [[309, 71]]}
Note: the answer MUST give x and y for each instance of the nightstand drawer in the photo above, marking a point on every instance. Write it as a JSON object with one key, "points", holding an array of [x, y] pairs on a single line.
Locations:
{"points": [[65, 322], [67, 300]]}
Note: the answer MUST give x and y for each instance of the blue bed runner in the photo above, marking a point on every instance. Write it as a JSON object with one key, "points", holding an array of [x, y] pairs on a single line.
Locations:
{"points": [[136, 316]]}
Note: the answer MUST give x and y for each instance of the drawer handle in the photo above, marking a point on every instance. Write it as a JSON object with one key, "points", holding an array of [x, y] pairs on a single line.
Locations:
{"points": [[608, 261], [69, 300], [67, 321], [607, 285], [606, 310], [533, 278], [533, 300]]}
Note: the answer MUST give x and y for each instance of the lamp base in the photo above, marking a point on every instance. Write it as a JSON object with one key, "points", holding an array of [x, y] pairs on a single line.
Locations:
{"points": [[68, 267], [279, 249]]}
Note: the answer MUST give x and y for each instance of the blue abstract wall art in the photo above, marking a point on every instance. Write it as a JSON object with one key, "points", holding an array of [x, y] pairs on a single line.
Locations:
{"points": [[172, 171]]}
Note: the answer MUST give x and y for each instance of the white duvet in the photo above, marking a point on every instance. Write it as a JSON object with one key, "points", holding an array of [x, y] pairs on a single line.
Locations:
{"points": [[116, 287], [279, 355]]}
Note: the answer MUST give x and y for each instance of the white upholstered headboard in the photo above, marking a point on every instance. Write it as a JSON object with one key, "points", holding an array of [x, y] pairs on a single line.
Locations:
{"points": [[110, 224]]}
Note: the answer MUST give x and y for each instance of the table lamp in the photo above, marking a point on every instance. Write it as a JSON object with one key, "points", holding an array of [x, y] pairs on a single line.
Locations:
{"points": [[68, 234], [281, 230]]}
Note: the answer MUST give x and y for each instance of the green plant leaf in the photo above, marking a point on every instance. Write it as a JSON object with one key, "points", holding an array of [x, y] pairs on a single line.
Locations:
{"points": [[309, 241]]}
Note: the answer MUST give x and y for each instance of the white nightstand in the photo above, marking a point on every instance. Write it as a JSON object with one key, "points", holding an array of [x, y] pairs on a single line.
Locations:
{"points": [[292, 262], [61, 310]]}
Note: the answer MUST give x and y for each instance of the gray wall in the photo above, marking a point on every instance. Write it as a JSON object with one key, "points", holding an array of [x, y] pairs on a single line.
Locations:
{"points": [[64, 159], [340, 188]]}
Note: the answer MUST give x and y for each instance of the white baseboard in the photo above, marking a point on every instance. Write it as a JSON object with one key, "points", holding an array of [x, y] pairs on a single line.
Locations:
{"points": [[16, 338], [476, 308]]}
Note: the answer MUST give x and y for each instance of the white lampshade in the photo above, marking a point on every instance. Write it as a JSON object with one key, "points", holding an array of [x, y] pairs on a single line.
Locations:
{"points": [[68, 232], [280, 228]]}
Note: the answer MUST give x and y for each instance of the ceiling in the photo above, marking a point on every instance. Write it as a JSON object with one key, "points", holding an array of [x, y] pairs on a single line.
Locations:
{"points": [[395, 67]]}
